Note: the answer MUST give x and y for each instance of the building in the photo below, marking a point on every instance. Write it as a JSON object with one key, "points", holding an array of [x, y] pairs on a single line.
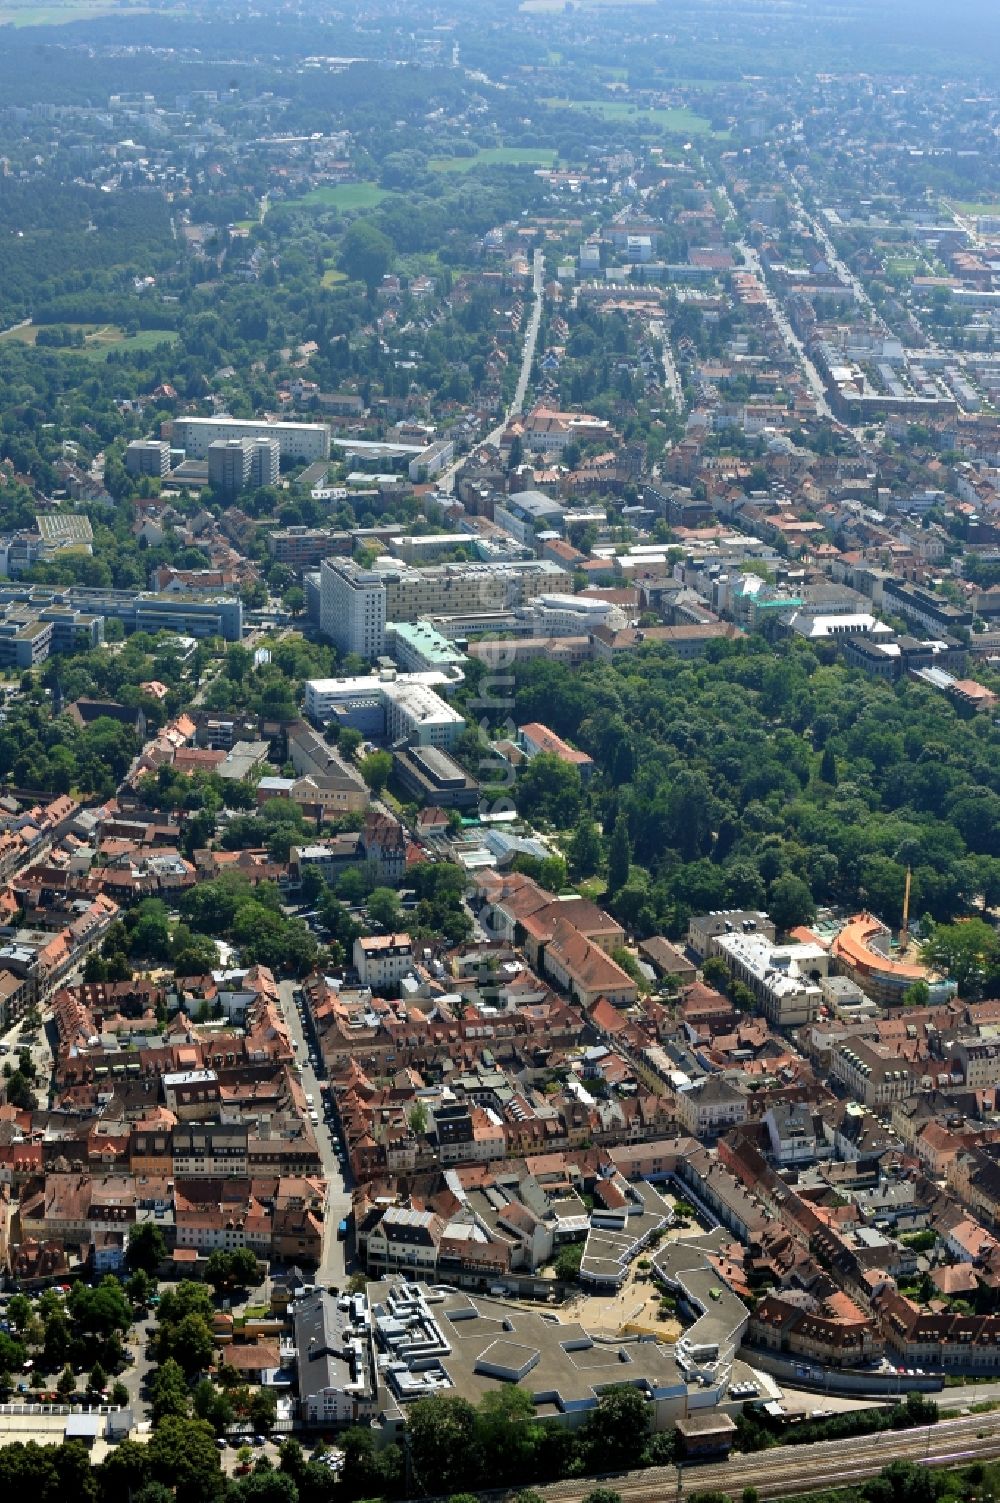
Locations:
{"points": [[525, 514], [382, 960], [304, 442], [439, 1340], [710, 1106], [404, 709], [439, 590], [784, 978], [148, 456], [705, 927], [74, 610], [210, 1150], [305, 547], [352, 608], [583, 969], [337, 1378], [433, 777], [535, 739], [863, 950], [235, 464], [418, 647]]}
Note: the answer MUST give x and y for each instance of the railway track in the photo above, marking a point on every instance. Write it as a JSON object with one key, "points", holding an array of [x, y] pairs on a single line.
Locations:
{"points": [[785, 1471]]}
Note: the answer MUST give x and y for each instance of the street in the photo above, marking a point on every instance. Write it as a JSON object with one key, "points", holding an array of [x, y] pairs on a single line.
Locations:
{"points": [[447, 481], [786, 331], [332, 1270]]}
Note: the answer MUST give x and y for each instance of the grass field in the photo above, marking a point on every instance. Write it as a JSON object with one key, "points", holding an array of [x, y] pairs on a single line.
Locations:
{"points": [[332, 276], [977, 211], [99, 339], [901, 266], [680, 121], [55, 14], [340, 196], [496, 156]]}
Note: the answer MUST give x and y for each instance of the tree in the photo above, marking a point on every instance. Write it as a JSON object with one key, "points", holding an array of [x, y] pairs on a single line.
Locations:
{"points": [[917, 995], [441, 1430], [790, 902], [828, 765], [615, 1432], [418, 1119], [350, 740], [146, 1248], [55, 1343], [366, 254], [507, 1436], [383, 908], [183, 1455], [263, 1410], [139, 1287], [98, 1379], [19, 1092], [66, 1386], [603, 1495], [213, 1405], [119, 1395], [549, 788], [568, 1262], [238, 661], [190, 1343], [376, 769], [19, 1311], [619, 855], [715, 972], [968, 952], [218, 1270], [169, 1393], [584, 850], [243, 1261]]}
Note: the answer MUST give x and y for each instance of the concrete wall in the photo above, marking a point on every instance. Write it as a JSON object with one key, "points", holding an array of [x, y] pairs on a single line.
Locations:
{"points": [[805, 1374]]}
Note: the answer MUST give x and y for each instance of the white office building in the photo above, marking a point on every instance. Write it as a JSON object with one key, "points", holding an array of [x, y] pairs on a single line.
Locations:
{"points": [[352, 608], [306, 442]]}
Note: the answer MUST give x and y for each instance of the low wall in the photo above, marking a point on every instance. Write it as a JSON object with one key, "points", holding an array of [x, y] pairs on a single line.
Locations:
{"points": [[805, 1374]]}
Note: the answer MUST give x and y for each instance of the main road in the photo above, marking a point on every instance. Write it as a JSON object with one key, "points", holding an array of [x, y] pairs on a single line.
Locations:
{"points": [[332, 1269], [447, 481]]}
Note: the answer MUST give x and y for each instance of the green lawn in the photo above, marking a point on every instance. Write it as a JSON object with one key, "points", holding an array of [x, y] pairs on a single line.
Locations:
{"points": [[340, 196], [496, 156], [679, 121], [100, 338], [146, 339], [332, 276], [901, 266]]}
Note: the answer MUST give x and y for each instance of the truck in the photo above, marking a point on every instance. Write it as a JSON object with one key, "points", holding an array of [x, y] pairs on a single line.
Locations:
{"points": [[342, 1230]]}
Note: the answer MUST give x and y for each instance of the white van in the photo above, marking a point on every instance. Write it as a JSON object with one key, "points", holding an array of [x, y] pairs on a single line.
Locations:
{"points": [[309, 1100]]}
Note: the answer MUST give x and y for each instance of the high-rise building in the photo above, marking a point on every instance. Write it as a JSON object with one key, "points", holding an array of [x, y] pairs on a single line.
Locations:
{"points": [[229, 463], [352, 608], [148, 456], [265, 462]]}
